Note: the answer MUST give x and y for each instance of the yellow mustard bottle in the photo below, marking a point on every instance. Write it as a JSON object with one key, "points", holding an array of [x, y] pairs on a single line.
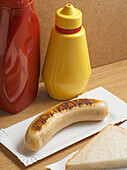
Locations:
{"points": [[67, 68]]}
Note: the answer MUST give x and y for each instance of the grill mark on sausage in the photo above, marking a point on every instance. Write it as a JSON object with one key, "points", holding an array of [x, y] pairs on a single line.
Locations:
{"points": [[81, 102], [54, 111], [65, 106], [73, 103], [69, 105], [41, 121]]}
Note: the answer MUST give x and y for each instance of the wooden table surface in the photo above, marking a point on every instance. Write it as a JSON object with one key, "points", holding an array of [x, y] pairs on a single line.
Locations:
{"points": [[112, 77]]}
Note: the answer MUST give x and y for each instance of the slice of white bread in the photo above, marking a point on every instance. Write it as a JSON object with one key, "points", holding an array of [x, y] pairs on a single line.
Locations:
{"points": [[107, 150]]}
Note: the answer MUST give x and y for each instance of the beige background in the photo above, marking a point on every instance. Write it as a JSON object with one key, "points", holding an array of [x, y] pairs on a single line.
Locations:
{"points": [[105, 23]]}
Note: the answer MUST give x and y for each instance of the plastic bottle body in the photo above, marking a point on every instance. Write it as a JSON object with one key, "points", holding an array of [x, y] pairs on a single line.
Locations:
{"points": [[19, 57], [67, 66]]}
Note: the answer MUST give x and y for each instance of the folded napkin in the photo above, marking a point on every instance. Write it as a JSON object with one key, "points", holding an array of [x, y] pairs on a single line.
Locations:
{"points": [[13, 136]]}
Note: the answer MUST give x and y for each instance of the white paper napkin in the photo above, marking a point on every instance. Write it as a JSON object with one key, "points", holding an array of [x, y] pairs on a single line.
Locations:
{"points": [[13, 136], [60, 165]]}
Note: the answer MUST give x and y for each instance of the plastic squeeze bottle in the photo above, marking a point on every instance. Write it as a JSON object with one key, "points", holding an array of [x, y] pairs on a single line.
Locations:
{"points": [[19, 54], [67, 68]]}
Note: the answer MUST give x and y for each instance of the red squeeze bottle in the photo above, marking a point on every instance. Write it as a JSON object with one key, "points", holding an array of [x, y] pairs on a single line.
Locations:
{"points": [[19, 54]]}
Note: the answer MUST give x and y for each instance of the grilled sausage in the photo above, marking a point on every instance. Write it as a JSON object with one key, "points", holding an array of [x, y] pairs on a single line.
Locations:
{"points": [[64, 114]]}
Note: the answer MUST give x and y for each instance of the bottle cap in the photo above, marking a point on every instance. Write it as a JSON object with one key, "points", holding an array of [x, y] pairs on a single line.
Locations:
{"points": [[14, 3], [68, 17]]}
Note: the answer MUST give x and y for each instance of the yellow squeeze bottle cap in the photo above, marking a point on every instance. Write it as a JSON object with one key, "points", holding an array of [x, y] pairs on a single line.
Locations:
{"points": [[68, 17]]}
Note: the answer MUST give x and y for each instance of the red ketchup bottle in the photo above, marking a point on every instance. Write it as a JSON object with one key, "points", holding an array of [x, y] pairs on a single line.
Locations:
{"points": [[19, 54]]}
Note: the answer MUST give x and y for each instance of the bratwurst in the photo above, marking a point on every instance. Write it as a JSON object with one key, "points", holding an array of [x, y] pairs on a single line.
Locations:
{"points": [[60, 116]]}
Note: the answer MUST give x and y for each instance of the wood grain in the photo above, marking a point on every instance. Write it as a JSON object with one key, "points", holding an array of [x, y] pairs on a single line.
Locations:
{"points": [[112, 77], [105, 24]]}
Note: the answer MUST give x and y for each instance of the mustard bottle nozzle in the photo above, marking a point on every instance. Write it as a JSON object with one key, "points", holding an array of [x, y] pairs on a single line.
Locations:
{"points": [[68, 17], [68, 10]]}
